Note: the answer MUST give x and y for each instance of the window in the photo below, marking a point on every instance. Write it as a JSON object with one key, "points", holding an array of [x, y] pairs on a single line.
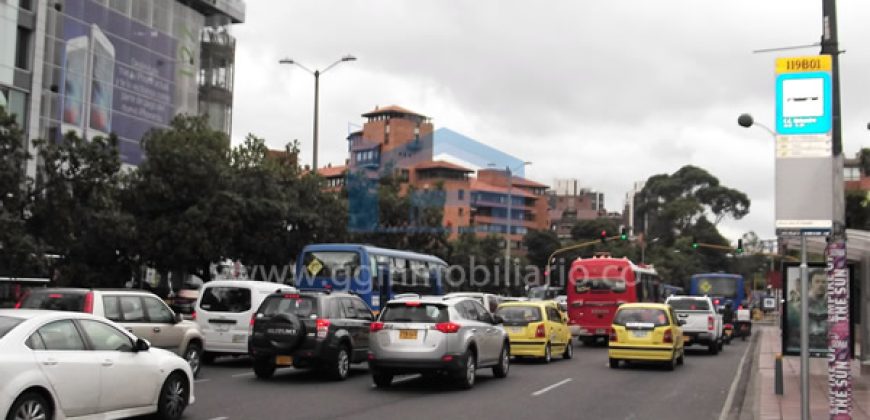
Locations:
{"points": [[111, 308], [333, 264], [424, 313], [347, 308], [303, 306], [61, 336], [226, 299], [7, 324], [852, 174], [362, 310], [105, 337], [131, 309], [656, 317], [461, 211], [482, 314], [158, 313], [22, 49], [519, 314], [553, 315], [461, 194], [35, 342], [689, 304]]}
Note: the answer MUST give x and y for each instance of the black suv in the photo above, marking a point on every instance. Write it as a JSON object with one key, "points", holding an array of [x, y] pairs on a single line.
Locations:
{"points": [[319, 329]]}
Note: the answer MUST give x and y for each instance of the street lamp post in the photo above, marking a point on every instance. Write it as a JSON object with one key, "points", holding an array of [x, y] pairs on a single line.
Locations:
{"points": [[507, 247], [316, 74]]}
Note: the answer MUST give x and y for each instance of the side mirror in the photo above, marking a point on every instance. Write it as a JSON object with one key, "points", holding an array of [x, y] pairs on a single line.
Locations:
{"points": [[497, 319], [681, 322], [142, 345]]}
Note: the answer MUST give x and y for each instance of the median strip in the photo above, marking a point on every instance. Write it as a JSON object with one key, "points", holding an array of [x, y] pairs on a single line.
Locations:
{"points": [[551, 387]]}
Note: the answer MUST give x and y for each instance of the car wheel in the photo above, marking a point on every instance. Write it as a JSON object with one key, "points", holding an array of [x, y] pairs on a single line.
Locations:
{"points": [[193, 355], [382, 380], [682, 358], [569, 350], [721, 345], [207, 357], [264, 368], [614, 363], [501, 369], [672, 364], [340, 368], [30, 406], [468, 374], [173, 397], [713, 348], [548, 353]]}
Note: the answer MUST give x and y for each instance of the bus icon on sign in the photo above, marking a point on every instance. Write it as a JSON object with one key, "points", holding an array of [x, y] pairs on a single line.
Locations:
{"points": [[803, 104]]}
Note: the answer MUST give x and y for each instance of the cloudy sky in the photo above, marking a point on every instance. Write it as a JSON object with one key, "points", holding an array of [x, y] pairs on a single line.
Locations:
{"points": [[608, 92]]}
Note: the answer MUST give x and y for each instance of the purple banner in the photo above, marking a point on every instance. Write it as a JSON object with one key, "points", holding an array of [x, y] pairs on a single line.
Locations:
{"points": [[839, 357]]}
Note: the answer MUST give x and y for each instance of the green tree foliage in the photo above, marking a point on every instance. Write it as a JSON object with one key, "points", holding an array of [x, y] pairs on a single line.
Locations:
{"points": [[540, 244], [591, 229], [858, 210], [18, 248], [478, 265], [78, 212]]}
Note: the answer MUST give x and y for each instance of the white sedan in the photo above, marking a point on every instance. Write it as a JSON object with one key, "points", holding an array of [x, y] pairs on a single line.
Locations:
{"points": [[60, 365]]}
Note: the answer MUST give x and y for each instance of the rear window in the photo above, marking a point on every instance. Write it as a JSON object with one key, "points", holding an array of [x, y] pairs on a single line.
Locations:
{"points": [[422, 313], [689, 304], [519, 313], [7, 324], [629, 316], [600, 285], [226, 299], [302, 306], [55, 301]]}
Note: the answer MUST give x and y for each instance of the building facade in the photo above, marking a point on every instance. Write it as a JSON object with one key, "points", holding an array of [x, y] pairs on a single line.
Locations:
{"points": [[96, 67], [570, 203]]}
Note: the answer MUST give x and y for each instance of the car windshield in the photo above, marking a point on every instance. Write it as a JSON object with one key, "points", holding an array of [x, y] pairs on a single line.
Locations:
{"points": [[717, 286], [426, 313], [7, 323], [689, 304], [631, 317], [226, 299], [302, 306], [519, 313], [333, 264], [55, 301]]}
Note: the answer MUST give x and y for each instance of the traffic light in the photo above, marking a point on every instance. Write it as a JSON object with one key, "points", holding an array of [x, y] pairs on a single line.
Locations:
{"points": [[623, 234], [603, 236], [694, 243], [739, 246]]}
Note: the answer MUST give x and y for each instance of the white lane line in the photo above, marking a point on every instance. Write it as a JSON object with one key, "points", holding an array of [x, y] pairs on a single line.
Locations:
{"points": [[219, 418], [400, 379], [726, 409], [551, 387], [242, 375], [202, 380]]}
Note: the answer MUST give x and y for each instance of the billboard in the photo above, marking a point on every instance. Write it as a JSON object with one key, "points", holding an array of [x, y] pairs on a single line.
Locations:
{"points": [[118, 75]]}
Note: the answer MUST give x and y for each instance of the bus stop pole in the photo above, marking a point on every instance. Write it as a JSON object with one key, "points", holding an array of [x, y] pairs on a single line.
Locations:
{"points": [[805, 333]]}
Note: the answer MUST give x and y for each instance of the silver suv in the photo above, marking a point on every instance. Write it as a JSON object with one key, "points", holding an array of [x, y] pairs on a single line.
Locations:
{"points": [[433, 334]]}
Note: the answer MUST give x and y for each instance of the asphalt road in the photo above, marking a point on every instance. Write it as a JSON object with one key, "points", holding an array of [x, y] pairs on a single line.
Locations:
{"points": [[584, 387]]}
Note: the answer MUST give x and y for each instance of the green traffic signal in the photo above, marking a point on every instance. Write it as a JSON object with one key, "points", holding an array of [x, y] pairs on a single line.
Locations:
{"points": [[695, 244], [739, 249], [623, 235]]}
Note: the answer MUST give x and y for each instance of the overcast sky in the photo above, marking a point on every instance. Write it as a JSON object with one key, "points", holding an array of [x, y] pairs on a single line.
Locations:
{"points": [[608, 92]]}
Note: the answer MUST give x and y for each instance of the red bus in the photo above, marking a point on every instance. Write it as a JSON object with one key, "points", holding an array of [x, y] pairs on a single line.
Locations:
{"points": [[597, 286]]}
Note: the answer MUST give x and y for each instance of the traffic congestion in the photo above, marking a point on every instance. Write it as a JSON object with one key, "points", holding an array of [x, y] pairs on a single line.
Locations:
{"points": [[349, 309]]}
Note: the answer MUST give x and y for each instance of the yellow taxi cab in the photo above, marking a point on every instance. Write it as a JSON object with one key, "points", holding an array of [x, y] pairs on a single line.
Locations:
{"points": [[536, 329], [646, 332]]}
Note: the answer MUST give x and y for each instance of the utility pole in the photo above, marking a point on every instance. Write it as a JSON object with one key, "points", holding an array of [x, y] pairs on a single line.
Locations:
{"points": [[839, 359]]}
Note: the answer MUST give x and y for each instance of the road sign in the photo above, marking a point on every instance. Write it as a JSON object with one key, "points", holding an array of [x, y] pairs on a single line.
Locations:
{"points": [[804, 159]]}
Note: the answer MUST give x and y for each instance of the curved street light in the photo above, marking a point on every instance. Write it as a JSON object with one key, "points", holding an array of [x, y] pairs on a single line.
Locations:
{"points": [[316, 74]]}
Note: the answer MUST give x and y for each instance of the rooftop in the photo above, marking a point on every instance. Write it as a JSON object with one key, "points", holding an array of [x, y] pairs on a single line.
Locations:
{"points": [[440, 164], [332, 171], [392, 109]]}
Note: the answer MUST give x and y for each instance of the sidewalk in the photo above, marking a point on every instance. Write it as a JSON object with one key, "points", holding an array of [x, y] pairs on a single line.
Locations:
{"points": [[769, 406]]}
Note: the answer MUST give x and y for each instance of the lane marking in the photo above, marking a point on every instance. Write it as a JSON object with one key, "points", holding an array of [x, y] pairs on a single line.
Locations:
{"points": [[400, 379], [242, 375], [551, 387], [219, 418], [726, 409], [202, 380]]}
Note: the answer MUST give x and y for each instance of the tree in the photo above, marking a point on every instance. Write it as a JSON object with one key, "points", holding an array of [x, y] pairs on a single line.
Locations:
{"points": [[591, 229], [186, 211], [540, 244], [18, 248], [77, 210], [858, 210]]}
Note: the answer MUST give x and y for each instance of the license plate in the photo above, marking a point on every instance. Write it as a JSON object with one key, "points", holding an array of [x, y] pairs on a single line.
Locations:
{"points": [[601, 331], [639, 334], [516, 330], [239, 338], [408, 334], [222, 327], [284, 360]]}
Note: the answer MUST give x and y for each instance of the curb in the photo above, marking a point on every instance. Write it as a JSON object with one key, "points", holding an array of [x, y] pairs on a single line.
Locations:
{"points": [[745, 404]]}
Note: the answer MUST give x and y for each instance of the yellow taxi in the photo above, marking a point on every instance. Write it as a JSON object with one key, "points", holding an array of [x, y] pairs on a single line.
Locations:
{"points": [[536, 329], [646, 332]]}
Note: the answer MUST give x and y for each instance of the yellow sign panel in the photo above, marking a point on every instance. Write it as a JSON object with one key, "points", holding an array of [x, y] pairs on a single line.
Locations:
{"points": [[803, 64], [314, 267], [705, 287]]}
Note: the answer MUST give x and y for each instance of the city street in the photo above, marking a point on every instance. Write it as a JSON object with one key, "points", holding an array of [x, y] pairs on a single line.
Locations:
{"points": [[584, 387]]}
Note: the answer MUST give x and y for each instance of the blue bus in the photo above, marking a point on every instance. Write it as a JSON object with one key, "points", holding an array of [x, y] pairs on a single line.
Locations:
{"points": [[723, 288], [355, 268], [671, 290]]}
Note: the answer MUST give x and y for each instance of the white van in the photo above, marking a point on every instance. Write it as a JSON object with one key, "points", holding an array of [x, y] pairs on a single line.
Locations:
{"points": [[223, 312]]}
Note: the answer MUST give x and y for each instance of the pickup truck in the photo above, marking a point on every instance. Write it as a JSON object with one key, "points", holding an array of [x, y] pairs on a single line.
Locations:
{"points": [[703, 325]]}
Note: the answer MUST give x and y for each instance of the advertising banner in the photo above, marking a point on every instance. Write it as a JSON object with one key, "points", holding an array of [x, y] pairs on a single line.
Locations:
{"points": [[118, 76], [839, 334]]}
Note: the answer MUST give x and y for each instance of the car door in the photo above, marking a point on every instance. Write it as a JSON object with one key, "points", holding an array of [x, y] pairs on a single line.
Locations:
{"points": [[364, 318], [554, 326], [127, 379], [490, 334], [70, 368], [161, 320]]}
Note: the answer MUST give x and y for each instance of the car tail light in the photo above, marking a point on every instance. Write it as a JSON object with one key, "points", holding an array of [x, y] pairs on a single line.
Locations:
{"points": [[739, 307], [322, 327], [376, 326], [716, 302], [291, 296], [447, 327], [669, 337], [447, 358], [89, 303], [412, 303], [540, 332], [55, 296], [710, 323], [371, 356], [193, 315], [251, 324], [613, 336]]}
